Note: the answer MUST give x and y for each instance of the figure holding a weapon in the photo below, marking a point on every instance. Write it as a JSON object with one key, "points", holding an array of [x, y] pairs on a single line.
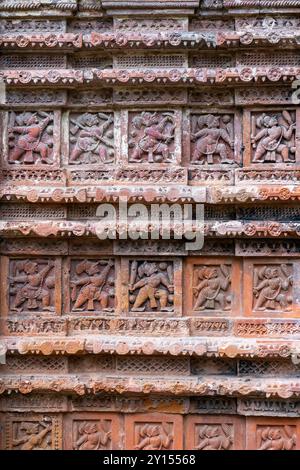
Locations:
{"points": [[30, 141], [92, 138]]}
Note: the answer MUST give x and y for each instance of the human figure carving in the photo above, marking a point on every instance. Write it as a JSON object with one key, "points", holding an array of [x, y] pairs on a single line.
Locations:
{"points": [[151, 137], [92, 137], [152, 277], [33, 437], [274, 140], [277, 438], [33, 286], [29, 138], [92, 437], [271, 285], [214, 138], [154, 437], [92, 285], [215, 437], [211, 290]]}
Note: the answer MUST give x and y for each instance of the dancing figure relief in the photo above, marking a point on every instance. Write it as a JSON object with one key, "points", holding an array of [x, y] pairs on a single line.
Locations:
{"points": [[151, 138], [273, 138], [30, 138]]}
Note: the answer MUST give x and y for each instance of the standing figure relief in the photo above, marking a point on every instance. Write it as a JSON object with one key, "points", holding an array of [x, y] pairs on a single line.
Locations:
{"points": [[273, 138], [31, 285], [151, 286], [92, 285], [214, 139]]}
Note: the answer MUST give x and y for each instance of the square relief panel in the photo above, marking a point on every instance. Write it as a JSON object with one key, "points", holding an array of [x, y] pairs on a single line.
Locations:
{"points": [[154, 137], [270, 137], [31, 138], [212, 286], [92, 431], [33, 285], [214, 433], [35, 432], [212, 139], [272, 434], [271, 288], [153, 432], [89, 285], [151, 286], [91, 138]]}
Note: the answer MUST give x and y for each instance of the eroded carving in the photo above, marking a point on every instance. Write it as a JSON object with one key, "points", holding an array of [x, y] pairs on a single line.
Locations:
{"points": [[92, 435], [212, 139], [212, 287], [91, 138], [154, 436], [214, 437], [276, 437]]}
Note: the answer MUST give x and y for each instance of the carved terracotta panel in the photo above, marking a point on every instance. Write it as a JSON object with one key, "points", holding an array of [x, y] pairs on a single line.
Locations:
{"points": [[214, 433], [33, 432], [153, 432], [215, 288], [271, 137], [34, 285], [272, 434], [90, 285], [31, 138], [92, 431], [272, 287], [152, 286]]}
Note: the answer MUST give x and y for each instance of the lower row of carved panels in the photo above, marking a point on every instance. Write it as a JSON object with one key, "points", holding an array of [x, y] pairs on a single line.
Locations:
{"points": [[152, 285], [147, 431], [157, 137], [168, 365]]}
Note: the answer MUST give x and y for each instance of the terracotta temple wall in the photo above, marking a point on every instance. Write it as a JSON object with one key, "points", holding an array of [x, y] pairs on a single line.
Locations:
{"points": [[140, 344]]}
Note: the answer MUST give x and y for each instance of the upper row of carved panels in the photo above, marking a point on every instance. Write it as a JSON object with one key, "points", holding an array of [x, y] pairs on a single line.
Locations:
{"points": [[149, 136]]}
